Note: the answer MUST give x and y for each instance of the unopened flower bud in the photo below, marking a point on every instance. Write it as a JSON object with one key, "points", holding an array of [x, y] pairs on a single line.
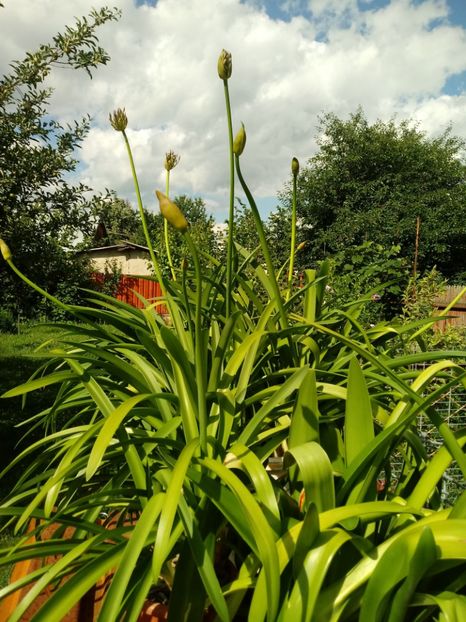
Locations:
{"points": [[295, 167], [118, 120], [171, 160], [171, 212], [301, 245], [224, 65], [240, 141], [6, 253]]}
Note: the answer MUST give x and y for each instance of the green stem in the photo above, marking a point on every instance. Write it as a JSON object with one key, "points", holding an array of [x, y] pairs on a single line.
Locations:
{"points": [[231, 223], [199, 349], [293, 240], [165, 230], [264, 246], [155, 263]]}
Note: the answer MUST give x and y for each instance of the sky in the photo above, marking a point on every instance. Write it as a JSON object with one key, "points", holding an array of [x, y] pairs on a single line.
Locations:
{"points": [[293, 60]]}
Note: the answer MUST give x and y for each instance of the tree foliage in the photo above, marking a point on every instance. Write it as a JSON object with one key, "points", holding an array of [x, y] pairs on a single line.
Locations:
{"points": [[370, 182], [41, 212], [115, 220]]}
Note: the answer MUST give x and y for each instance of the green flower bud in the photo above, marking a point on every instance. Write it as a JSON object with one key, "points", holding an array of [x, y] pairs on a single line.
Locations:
{"points": [[171, 212], [295, 167], [240, 141], [171, 160], [224, 65], [118, 120], [4, 249]]}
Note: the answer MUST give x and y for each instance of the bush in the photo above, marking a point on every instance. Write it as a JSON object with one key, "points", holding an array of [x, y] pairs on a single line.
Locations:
{"points": [[7, 321]]}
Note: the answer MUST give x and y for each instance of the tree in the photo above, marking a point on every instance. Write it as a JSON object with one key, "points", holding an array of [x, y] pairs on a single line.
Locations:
{"points": [[372, 182], [41, 213], [113, 220]]}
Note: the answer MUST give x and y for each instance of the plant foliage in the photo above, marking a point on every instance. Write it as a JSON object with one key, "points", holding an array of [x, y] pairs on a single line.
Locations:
{"points": [[250, 439]]}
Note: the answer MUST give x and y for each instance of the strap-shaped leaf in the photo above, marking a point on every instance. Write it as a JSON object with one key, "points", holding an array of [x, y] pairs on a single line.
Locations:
{"points": [[107, 432], [406, 561], [316, 474], [138, 541], [167, 517], [359, 425], [248, 461]]}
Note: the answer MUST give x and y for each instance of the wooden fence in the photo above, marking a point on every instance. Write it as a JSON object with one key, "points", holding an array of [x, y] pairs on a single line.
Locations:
{"points": [[457, 314], [131, 286]]}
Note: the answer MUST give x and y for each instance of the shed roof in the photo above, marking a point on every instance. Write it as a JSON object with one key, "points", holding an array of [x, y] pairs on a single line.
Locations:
{"points": [[121, 247]]}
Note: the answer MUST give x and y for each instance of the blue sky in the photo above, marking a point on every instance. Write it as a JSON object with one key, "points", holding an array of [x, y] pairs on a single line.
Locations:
{"points": [[293, 60]]}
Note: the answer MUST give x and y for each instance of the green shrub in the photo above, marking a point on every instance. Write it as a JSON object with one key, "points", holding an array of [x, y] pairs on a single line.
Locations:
{"points": [[7, 321]]}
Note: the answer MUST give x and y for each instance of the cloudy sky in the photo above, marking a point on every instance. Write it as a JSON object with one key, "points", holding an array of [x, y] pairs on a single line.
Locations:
{"points": [[292, 61]]}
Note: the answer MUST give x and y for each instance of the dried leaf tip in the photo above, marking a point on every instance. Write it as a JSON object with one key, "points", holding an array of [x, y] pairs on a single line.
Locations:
{"points": [[240, 141], [5, 250], [224, 65], [171, 212], [118, 119], [171, 160]]}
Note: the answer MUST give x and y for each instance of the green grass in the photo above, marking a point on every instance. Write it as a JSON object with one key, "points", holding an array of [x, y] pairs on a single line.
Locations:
{"points": [[30, 337], [19, 358]]}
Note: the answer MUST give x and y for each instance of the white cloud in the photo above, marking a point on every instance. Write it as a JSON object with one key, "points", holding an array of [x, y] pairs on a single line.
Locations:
{"points": [[391, 60]]}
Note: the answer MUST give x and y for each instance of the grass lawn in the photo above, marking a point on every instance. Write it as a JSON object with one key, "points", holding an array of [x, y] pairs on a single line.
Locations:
{"points": [[18, 361]]}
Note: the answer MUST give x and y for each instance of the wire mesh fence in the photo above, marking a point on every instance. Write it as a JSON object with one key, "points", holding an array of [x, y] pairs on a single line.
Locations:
{"points": [[451, 406]]}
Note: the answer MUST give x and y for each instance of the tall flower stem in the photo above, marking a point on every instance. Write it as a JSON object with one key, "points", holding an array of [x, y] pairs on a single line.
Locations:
{"points": [[264, 246], [165, 229], [293, 238], [231, 215], [199, 349], [155, 263]]}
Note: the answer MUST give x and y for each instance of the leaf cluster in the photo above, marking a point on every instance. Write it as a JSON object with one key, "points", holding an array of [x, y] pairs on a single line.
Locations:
{"points": [[41, 212]]}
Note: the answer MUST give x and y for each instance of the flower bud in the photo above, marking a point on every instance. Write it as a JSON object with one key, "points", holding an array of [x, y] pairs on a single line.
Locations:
{"points": [[224, 65], [171, 160], [118, 120], [295, 167], [240, 141], [301, 245], [171, 212], [4, 249]]}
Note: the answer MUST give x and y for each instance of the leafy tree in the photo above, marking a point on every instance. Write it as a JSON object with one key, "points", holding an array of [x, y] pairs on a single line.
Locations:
{"points": [[41, 212], [113, 220], [369, 271], [372, 182]]}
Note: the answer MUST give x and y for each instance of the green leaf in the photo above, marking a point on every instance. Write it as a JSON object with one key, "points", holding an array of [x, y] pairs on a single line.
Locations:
{"points": [[316, 473], [105, 436], [264, 537], [167, 517], [39, 383], [359, 425], [277, 400], [130, 556]]}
